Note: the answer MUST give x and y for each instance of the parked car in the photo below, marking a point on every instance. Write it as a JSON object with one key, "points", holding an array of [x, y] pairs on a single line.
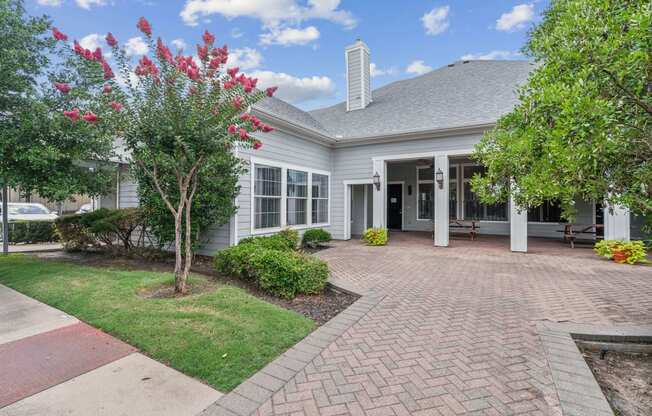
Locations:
{"points": [[29, 212], [84, 209]]}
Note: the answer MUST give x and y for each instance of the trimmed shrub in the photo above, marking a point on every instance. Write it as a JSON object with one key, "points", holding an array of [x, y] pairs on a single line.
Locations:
{"points": [[100, 227], [375, 236], [286, 274], [73, 233], [630, 252], [292, 237], [234, 261], [273, 242], [31, 232], [315, 237]]}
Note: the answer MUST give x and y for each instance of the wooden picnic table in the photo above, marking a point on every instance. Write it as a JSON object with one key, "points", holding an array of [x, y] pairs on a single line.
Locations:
{"points": [[571, 231]]}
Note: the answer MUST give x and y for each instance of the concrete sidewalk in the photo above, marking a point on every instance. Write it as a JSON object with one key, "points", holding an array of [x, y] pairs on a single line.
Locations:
{"points": [[53, 364]]}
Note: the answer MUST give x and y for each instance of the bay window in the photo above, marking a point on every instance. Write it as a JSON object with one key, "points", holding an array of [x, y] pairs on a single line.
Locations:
{"points": [[267, 196], [319, 198], [288, 196]]}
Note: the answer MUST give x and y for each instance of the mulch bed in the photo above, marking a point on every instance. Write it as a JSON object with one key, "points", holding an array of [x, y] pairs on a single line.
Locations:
{"points": [[625, 380], [320, 308]]}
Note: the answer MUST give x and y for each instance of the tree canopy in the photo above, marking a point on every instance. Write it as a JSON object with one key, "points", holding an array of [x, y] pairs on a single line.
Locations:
{"points": [[583, 127]]}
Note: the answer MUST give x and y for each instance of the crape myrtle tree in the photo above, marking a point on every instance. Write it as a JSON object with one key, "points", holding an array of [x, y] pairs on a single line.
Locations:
{"points": [[583, 128], [39, 152], [179, 118]]}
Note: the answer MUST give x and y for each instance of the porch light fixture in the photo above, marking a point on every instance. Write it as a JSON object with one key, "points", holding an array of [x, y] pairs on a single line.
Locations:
{"points": [[439, 177], [377, 181]]}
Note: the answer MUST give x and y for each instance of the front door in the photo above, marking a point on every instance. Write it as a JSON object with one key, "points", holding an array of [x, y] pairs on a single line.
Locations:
{"points": [[395, 206]]}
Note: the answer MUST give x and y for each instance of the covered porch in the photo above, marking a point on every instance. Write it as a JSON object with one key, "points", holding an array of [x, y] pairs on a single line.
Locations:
{"points": [[431, 193]]}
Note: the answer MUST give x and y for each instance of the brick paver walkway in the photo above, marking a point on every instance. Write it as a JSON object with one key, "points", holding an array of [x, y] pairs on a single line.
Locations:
{"points": [[455, 333]]}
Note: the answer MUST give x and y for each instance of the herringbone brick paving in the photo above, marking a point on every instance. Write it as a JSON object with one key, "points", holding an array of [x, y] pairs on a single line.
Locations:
{"points": [[455, 333]]}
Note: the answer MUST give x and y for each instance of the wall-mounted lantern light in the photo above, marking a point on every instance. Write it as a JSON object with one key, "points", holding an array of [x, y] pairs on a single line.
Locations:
{"points": [[439, 177], [377, 181]]}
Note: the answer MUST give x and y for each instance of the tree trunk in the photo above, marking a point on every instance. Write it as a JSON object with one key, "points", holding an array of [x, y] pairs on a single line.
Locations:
{"points": [[179, 277], [5, 220]]}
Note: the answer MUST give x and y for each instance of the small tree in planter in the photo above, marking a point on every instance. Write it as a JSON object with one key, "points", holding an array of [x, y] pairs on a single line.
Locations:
{"points": [[174, 114]]}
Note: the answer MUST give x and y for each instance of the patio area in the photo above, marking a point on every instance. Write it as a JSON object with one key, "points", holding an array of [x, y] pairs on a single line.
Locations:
{"points": [[456, 330]]}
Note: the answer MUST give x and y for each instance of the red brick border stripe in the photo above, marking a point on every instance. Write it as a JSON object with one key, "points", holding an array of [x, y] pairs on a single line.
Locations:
{"points": [[36, 363]]}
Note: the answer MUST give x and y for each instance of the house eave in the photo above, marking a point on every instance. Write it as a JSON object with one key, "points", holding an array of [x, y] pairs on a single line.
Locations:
{"points": [[293, 128]]}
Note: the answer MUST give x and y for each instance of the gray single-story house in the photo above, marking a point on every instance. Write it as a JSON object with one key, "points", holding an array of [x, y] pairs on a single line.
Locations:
{"points": [[395, 157]]}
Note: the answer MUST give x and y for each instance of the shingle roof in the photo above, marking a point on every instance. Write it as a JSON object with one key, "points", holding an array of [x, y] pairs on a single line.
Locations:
{"points": [[467, 93]]}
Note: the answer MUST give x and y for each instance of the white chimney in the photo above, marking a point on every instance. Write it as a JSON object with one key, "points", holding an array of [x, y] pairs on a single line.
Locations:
{"points": [[358, 76]]}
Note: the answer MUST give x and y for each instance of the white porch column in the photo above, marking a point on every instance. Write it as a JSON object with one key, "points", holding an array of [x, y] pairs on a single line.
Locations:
{"points": [[616, 223], [379, 194], [517, 227], [441, 202]]}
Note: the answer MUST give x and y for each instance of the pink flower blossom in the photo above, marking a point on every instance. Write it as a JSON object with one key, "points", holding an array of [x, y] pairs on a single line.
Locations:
{"points": [[90, 117], [208, 38], [232, 129], [228, 85], [97, 55], [108, 72], [202, 52], [73, 114], [243, 134], [258, 144], [214, 63], [163, 52], [107, 89], [270, 91], [193, 73], [116, 106], [237, 103], [144, 26], [110, 40], [62, 86], [58, 35], [267, 128], [232, 71]]}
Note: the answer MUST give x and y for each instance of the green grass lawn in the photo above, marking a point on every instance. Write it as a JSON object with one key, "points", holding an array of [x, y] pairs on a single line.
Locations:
{"points": [[222, 336]]}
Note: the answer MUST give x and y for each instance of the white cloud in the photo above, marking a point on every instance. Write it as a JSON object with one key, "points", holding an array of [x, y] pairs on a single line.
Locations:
{"points": [[492, 55], [436, 20], [518, 18], [180, 44], [377, 72], [290, 36], [136, 46], [293, 89], [270, 12], [236, 33], [418, 67], [52, 3], [93, 41], [244, 58], [87, 4]]}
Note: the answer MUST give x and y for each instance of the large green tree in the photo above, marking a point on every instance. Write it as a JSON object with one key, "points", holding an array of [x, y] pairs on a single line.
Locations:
{"points": [[583, 128], [39, 151]]}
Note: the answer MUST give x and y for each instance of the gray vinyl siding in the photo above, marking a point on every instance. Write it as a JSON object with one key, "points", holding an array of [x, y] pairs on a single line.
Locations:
{"points": [[357, 210], [355, 163], [128, 197], [354, 79], [215, 239], [366, 77], [280, 147]]}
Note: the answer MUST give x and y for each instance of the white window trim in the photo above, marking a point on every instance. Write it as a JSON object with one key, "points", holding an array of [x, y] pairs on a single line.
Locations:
{"points": [[424, 181], [284, 168]]}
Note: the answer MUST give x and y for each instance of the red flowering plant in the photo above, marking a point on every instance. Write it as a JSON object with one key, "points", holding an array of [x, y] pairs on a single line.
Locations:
{"points": [[179, 117]]}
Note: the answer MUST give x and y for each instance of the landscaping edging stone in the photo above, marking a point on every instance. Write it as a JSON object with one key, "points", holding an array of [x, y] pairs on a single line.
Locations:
{"points": [[578, 390], [245, 399]]}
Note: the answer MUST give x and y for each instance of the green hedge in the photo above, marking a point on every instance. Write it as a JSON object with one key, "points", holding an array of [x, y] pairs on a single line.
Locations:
{"points": [[102, 227], [274, 266], [31, 232], [315, 237]]}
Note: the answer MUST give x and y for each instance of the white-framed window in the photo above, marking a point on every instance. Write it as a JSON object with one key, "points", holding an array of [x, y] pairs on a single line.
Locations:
{"points": [[320, 186], [267, 196], [288, 195], [297, 197], [472, 207], [425, 193], [452, 192]]}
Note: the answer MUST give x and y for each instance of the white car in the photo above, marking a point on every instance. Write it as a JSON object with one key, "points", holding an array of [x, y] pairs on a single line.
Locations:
{"points": [[84, 209], [29, 212]]}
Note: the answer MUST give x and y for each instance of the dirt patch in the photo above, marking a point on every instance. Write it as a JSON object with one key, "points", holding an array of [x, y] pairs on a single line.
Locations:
{"points": [[320, 308], [196, 286], [625, 379]]}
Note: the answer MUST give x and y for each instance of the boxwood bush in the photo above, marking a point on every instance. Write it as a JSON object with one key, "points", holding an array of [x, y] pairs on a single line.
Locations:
{"points": [[315, 237], [375, 236], [31, 232], [273, 266]]}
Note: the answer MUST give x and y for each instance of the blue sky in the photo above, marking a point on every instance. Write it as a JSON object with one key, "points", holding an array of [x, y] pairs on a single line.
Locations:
{"points": [[299, 44]]}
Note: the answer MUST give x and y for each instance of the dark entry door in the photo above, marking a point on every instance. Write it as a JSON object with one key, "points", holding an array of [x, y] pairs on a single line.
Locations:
{"points": [[395, 206]]}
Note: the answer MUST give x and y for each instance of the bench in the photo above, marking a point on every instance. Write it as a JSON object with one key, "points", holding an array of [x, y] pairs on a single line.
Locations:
{"points": [[572, 231], [470, 227]]}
